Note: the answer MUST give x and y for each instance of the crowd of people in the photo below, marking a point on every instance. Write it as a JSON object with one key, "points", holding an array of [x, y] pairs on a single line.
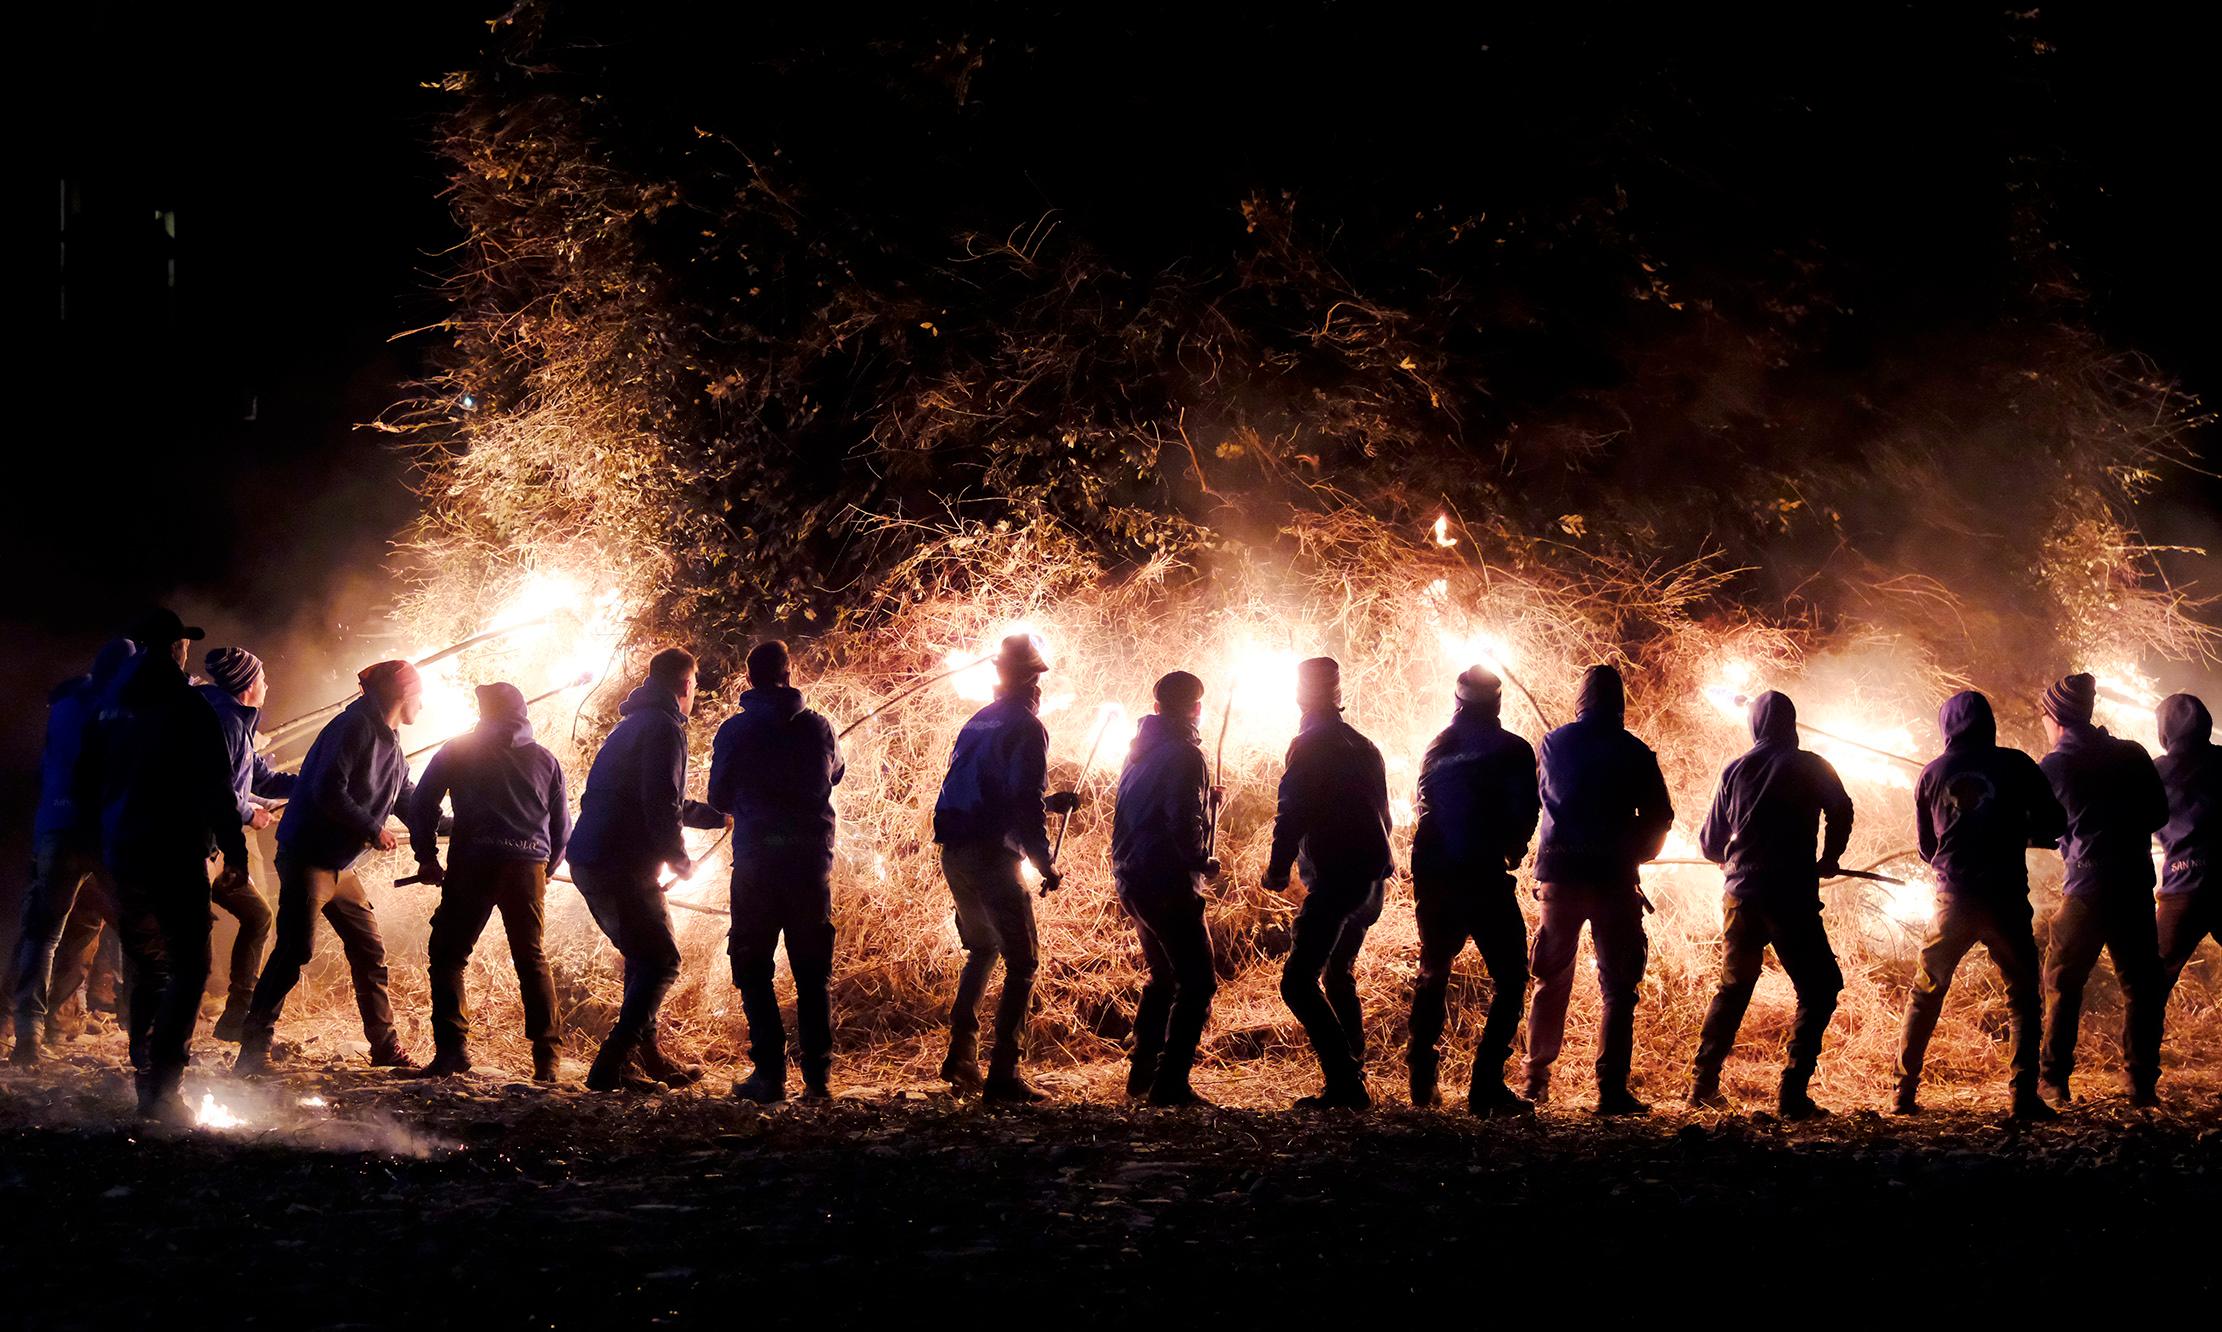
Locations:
{"points": [[150, 783]]}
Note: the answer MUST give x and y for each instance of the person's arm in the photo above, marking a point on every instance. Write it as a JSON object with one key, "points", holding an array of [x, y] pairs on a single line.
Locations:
{"points": [[212, 780], [1027, 772], [420, 813], [725, 767], [1924, 822], [267, 781], [1291, 818], [1712, 839], [340, 797], [2048, 822], [2151, 795], [834, 764], [559, 814], [1654, 808], [1836, 815], [1190, 800], [663, 804]]}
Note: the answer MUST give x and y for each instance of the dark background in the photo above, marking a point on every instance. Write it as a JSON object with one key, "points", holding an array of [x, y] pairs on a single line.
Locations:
{"points": [[246, 224]]}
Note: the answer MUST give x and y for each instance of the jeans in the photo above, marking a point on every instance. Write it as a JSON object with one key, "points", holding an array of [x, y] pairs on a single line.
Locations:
{"points": [[473, 891], [628, 904], [995, 919], [2002, 927], [1454, 907], [2122, 922], [1176, 999], [70, 892], [1793, 926], [304, 892], [791, 896], [1330, 929], [1614, 914], [163, 921]]}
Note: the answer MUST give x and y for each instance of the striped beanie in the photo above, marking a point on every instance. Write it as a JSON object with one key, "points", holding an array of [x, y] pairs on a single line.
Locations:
{"points": [[2071, 698], [233, 670]]}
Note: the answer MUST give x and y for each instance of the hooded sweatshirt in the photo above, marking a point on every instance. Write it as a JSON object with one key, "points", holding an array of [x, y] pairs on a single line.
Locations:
{"points": [[1158, 826], [773, 767], [352, 780], [508, 792], [155, 767], [1770, 807], [635, 803], [2191, 773], [1979, 805], [1333, 815], [2114, 803], [997, 775], [1478, 798], [251, 773], [1605, 803], [70, 710]]}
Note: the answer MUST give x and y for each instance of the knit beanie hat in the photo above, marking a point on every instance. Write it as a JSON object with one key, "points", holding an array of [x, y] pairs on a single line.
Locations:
{"points": [[389, 680], [233, 670], [2071, 699]]}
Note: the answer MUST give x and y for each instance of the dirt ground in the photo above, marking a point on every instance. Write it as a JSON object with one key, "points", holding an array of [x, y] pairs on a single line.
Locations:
{"points": [[354, 1198]]}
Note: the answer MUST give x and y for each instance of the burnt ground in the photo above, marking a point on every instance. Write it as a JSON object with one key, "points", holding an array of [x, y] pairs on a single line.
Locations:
{"points": [[511, 1205]]}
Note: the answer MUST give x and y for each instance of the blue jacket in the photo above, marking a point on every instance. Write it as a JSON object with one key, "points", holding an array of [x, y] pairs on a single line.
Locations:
{"points": [[635, 805], [351, 781], [154, 764], [1478, 801], [510, 802], [2114, 801], [773, 768], [1605, 804], [2191, 772], [1158, 826], [70, 710], [997, 776], [1333, 815], [251, 773], [1980, 805], [1770, 807]]}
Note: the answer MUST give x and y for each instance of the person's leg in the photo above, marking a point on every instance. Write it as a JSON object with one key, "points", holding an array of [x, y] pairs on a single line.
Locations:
{"points": [[355, 921], [1179, 927], [750, 945], [963, 866], [1950, 935], [1558, 938], [1502, 934], [181, 914], [1154, 1010], [1011, 908], [49, 902], [1341, 978], [302, 890], [1319, 924], [2133, 945], [245, 903], [808, 926], [139, 932], [1743, 958], [2005, 930], [83, 935], [1443, 932], [1623, 951], [1802, 946], [2179, 924], [522, 898], [466, 903], [2078, 931]]}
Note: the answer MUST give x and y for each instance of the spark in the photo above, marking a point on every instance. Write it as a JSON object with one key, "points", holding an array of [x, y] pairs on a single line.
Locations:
{"points": [[213, 1114], [1443, 537]]}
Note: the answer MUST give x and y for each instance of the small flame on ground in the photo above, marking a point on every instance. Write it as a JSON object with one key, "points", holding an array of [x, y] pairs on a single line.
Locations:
{"points": [[1443, 537], [314, 1103], [213, 1114]]}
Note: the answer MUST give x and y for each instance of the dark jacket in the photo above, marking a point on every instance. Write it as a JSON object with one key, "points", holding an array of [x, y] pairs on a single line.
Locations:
{"points": [[1979, 805], [1478, 800], [2114, 802], [154, 764], [508, 792], [1605, 805], [997, 775], [1333, 816], [1157, 829], [351, 781], [1770, 807], [70, 710], [2191, 773], [251, 773], [773, 767], [630, 818]]}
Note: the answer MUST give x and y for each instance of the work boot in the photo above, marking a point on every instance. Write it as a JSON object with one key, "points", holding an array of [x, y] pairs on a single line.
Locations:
{"points": [[1908, 1099], [1426, 1075], [390, 1053], [613, 1070], [2030, 1108], [447, 1062], [547, 1061], [253, 1059], [763, 1086], [1705, 1092], [1792, 1103], [2056, 1089], [816, 1088], [26, 1052], [1340, 1093], [1012, 1089], [163, 1105], [1490, 1098], [961, 1067], [231, 1025], [1139, 1076], [655, 1064], [1539, 1084], [1614, 1102], [1177, 1094], [2145, 1096]]}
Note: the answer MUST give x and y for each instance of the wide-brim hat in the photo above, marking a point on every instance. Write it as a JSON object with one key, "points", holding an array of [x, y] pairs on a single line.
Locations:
{"points": [[1020, 658]]}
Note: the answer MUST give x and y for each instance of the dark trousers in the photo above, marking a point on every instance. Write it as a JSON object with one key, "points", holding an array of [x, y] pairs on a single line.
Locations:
{"points": [[791, 896], [2122, 922], [995, 919], [1453, 907], [2002, 927], [2183, 920], [244, 903], [1614, 914], [163, 921], [1176, 999], [304, 892], [628, 904], [1319, 981], [69, 888], [1793, 926], [473, 891]]}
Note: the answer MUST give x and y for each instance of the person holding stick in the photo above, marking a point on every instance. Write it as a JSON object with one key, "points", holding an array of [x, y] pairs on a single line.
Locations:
{"points": [[1478, 806], [351, 782], [1773, 802], [989, 814], [1332, 820], [1160, 861], [2190, 903], [236, 690], [773, 768]]}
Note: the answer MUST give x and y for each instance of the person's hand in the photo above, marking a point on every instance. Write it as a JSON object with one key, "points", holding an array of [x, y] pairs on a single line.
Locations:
{"points": [[259, 818], [682, 869], [1051, 882], [1276, 880], [232, 875], [430, 871], [1213, 870], [385, 840], [1829, 869], [1062, 802], [1218, 796]]}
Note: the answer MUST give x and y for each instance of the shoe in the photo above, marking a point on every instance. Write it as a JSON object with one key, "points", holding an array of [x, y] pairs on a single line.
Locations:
{"points": [[1492, 1098], [962, 1072], [26, 1051], [1797, 1107], [1011, 1089], [231, 1026], [1352, 1097], [657, 1066], [1907, 1101], [1178, 1095], [1538, 1089], [763, 1087], [167, 1108], [2030, 1108], [1426, 1082], [1139, 1076], [1616, 1103], [816, 1088], [446, 1064], [393, 1056], [613, 1070], [253, 1059], [547, 1062], [2056, 1090], [2145, 1098]]}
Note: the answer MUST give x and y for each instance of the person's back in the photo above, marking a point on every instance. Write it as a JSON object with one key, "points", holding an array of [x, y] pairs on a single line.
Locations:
{"points": [[773, 767], [1333, 814], [71, 709], [1766, 818], [1478, 800], [1158, 825], [350, 781], [164, 787], [1980, 805], [1605, 803], [646, 749], [2113, 800], [506, 788], [993, 788], [2191, 775]]}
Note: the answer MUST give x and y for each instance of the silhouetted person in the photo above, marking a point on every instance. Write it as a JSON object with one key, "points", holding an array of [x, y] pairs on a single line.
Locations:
{"points": [[1605, 812], [773, 768], [155, 763], [2114, 802], [630, 828], [512, 821], [1332, 822], [2190, 905], [236, 689], [352, 780], [1159, 862], [69, 884], [1773, 803], [990, 813], [1478, 804], [1977, 808]]}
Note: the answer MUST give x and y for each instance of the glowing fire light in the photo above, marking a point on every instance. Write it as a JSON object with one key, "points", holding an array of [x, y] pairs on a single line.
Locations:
{"points": [[1443, 537], [213, 1114], [2128, 704], [1912, 903], [1477, 648], [313, 1103], [976, 683]]}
